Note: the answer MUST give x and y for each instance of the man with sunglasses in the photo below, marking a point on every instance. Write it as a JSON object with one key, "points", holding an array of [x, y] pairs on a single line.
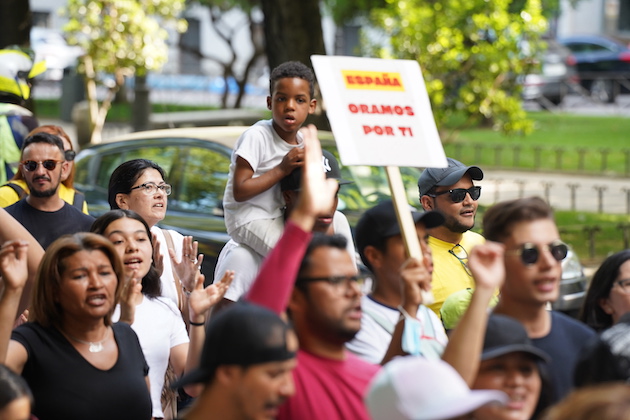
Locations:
{"points": [[452, 192], [43, 213], [530, 259]]}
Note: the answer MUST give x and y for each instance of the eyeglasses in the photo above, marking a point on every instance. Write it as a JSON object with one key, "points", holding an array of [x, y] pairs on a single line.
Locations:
{"points": [[624, 285], [457, 195], [150, 188], [460, 253], [32, 165], [529, 252], [70, 155], [336, 281]]}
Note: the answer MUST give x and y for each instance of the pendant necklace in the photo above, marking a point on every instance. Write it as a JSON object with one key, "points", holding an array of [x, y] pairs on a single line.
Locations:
{"points": [[94, 347]]}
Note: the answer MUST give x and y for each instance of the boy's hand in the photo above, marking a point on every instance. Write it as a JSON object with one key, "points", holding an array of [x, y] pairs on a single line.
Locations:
{"points": [[293, 159]]}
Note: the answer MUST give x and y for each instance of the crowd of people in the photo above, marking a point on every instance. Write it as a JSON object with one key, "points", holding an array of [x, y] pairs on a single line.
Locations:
{"points": [[111, 318]]}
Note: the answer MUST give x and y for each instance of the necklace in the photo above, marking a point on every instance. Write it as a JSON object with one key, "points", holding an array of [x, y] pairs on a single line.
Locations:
{"points": [[94, 347]]}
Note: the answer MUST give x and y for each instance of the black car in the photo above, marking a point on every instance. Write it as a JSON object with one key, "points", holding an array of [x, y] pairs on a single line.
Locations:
{"points": [[553, 81], [196, 162], [603, 65]]}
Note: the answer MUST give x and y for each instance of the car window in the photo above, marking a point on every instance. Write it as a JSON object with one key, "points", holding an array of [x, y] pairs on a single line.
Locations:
{"points": [[202, 183], [163, 156], [370, 185]]}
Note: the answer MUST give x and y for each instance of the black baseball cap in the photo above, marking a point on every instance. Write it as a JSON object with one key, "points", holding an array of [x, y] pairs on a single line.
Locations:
{"points": [[243, 334], [380, 222], [292, 181], [432, 177], [505, 335]]}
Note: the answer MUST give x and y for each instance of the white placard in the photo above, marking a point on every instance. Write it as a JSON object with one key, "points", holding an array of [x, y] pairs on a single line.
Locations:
{"points": [[379, 111]]}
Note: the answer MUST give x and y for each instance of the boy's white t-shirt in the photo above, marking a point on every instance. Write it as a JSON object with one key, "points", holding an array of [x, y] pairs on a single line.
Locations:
{"points": [[263, 149]]}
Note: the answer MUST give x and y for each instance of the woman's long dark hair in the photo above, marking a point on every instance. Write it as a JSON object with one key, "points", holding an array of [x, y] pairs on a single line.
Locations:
{"points": [[151, 283], [603, 281]]}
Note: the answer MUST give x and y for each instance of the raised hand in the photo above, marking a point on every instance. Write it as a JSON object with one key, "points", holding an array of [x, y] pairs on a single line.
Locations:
{"points": [[13, 264], [188, 268], [487, 266], [131, 290], [317, 193], [201, 300], [158, 259], [416, 279]]}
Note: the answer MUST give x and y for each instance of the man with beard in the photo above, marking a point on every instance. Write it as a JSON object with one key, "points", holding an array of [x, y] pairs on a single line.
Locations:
{"points": [[451, 191], [43, 213], [313, 278]]}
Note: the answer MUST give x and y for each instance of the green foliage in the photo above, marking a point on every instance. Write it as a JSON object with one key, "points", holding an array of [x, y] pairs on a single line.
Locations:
{"points": [[469, 52], [123, 34]]}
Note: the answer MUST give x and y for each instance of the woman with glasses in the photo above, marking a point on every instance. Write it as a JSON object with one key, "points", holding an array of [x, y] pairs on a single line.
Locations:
{"points": [[16, 188], [139, 185], [608, 296]]}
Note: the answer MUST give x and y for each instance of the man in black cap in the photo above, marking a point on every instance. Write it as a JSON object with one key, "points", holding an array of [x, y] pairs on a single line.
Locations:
{"points": [[246, 262], [246, 364], [451, 191], [382, 250]]}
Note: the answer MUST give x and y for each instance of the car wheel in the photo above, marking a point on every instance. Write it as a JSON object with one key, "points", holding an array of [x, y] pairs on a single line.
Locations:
{"points": [[603, 90]]}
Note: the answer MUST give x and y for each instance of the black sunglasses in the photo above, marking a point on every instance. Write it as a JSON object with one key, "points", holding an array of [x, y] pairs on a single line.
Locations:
{"points": [[457, 195], [49, 165], [529, 252], [69, 155]]}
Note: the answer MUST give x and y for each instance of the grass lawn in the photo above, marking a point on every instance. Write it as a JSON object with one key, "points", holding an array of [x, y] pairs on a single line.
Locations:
{"points": [[571, 143]]}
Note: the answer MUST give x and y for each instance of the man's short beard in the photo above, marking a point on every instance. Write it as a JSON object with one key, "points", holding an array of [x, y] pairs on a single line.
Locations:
{"points": [[454, 226], [43, 194]]}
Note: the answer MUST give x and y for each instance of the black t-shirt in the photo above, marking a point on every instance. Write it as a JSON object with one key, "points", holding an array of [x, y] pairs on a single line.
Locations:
{"points": [[66, 386], [563, 344], [47, 226]]}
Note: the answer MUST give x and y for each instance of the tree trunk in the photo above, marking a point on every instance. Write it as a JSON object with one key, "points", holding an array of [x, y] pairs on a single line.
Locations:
{"points": [[293, 32], [15, 22]]}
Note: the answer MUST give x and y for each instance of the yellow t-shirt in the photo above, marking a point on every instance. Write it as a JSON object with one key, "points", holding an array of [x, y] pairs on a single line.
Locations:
{"points": [[449, 274], [8, 195]]}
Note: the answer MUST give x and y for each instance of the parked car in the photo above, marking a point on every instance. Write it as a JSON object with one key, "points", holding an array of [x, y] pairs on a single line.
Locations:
{"points": [[196, 162], [50, 45], [557, 73], [603, 64]]}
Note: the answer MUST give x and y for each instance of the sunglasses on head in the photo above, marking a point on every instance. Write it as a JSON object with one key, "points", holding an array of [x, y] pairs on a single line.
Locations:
{"points": [[530, 253], [457, 195], [49, 165]]}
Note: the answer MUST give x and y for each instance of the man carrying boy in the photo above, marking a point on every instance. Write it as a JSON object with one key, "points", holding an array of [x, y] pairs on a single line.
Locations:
{"points": [[263, 155], [530, 259]]}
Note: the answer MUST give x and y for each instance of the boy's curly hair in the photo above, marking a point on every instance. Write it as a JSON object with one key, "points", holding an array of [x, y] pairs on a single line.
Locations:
{"points": [[292, 69]]}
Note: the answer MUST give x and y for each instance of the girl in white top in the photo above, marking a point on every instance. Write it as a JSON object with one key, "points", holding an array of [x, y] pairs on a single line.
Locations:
{"points": [[155, 319]]}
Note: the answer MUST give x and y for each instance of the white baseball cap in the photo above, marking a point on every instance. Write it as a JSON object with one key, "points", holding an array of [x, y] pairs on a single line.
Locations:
{"points": [[415, 388]]}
